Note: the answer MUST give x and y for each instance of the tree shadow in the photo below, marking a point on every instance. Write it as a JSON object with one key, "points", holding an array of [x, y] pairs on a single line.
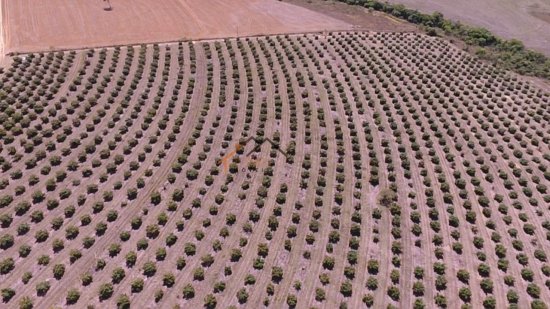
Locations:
{"points": [[109, 6]]}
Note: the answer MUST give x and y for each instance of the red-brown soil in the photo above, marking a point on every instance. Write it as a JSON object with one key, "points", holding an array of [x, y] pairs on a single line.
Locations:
{"points": [[463, 146], [66, 24]]}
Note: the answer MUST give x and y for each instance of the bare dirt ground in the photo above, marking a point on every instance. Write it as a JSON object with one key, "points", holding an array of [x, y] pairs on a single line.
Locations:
{"points": [[66, 24], [525, 20], [111, 161], [464, 146]]}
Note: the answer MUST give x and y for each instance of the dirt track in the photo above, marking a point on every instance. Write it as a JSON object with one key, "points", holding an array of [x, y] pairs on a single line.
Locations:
{"points": [[63, 24]]}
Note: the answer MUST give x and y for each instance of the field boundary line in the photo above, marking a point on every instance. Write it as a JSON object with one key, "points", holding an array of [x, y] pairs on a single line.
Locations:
{"points": [[213, 39]]}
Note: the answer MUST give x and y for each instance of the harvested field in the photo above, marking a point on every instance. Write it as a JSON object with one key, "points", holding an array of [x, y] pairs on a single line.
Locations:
{"points": [[412, 172], [68, 24], [524, 20]]}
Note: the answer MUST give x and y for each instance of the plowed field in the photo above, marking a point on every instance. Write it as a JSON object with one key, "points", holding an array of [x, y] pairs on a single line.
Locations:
{"points": [[31, 25]]}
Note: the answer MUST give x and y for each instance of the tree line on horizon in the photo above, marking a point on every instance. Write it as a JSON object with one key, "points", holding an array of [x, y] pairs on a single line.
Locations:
{"points": [[508, 54]]}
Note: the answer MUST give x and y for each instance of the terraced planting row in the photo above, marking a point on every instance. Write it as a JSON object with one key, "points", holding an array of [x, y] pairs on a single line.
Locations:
{"points": [[414, 173]]}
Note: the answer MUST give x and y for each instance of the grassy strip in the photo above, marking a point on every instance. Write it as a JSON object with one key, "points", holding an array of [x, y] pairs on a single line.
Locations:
{"points": [[508, 54]]}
